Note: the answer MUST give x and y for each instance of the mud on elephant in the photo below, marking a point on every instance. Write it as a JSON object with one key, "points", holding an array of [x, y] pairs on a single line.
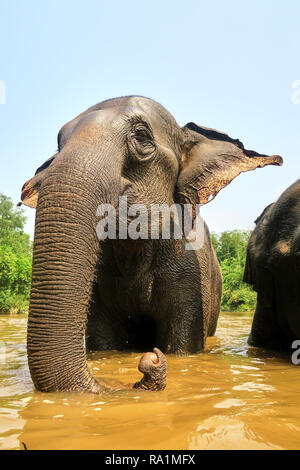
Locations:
{"points": [[123, 294]]}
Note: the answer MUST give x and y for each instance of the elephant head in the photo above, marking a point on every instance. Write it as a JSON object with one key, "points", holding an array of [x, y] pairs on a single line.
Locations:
{"points": [[131, 146]]}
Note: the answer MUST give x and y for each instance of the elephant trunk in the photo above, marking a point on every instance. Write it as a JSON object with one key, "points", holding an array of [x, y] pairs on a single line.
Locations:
{"points": [[66, 250]]}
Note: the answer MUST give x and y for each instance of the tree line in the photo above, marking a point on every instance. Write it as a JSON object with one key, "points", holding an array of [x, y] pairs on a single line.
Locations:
{"points": [[16, 263], [231, 250], [15, 258]]}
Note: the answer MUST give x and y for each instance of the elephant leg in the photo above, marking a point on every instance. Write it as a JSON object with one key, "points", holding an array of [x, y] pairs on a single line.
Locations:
{"points": [[265, 331], [180, 322], [213, 325], [216, 297], [186, 310], [183, 332]]}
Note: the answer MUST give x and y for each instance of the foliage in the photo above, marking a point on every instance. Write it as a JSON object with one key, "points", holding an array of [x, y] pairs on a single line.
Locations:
{"points": [[15, 258], [231, 250]]}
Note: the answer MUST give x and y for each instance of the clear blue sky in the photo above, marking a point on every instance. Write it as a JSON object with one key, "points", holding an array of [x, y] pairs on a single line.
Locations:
{"points": [[223, 64]]}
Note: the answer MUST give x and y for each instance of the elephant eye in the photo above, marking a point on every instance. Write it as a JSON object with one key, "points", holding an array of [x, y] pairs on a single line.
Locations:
{"points": [[143, 139], [142, 134]]}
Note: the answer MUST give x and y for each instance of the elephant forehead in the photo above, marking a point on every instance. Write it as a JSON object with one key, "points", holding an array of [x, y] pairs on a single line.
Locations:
{"points": [[100, 119], [90, 122], [115, 107], [141, 107], [110, 111], [135, 104]]}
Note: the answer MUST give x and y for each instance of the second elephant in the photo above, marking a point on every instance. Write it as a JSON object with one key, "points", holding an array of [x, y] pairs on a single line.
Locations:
{"points": [[273, 269]]}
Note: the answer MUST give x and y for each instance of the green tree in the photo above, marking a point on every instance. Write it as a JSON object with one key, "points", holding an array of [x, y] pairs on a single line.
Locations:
{"points": [[231, 250], [15, 258]]}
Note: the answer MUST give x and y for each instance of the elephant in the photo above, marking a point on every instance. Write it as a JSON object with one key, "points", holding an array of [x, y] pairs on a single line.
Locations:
{"points": [[120, 293], [273, 269]]}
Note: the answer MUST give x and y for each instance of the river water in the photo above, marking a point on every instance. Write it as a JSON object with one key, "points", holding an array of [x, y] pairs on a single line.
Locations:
{"points": [[231, 396]]}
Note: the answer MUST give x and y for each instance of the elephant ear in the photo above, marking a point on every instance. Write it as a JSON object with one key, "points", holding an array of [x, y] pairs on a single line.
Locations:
{"points": [[211, 160], [30, 189]]}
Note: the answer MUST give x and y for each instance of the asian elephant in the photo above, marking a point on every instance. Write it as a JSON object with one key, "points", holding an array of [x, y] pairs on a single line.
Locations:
{"points": [[123, 293], [273, 269]]}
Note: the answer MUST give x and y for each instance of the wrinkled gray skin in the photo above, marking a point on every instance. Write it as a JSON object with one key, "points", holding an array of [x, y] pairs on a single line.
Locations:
{"points": [[124, 294], [273, 269]]}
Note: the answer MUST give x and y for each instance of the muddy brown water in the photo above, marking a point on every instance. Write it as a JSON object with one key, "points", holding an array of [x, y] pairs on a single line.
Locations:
{"points": [[231, 396]]}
